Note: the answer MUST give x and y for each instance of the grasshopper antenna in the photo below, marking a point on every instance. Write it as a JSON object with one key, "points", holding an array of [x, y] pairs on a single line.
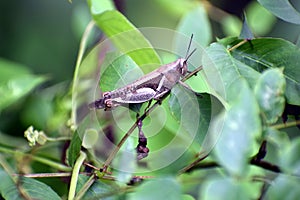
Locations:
{"points": [[188, 55]]}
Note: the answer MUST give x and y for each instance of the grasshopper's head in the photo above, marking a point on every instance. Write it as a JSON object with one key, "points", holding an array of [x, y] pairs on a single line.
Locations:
{"points": [[182, 65]]}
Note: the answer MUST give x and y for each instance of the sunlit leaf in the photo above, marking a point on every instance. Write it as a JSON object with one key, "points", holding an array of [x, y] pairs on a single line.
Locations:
{"points": [[232, 189], [269, 92], [161, 188], [259, 19], [127, 39], [196, 22], [238, 127], [119, 70], [16, 81], [223, 71], [98, 7], [264, 53]]}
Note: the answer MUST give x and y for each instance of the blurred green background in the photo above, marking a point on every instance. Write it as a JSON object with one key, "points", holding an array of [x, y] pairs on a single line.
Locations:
{"points": [[44, 36]]}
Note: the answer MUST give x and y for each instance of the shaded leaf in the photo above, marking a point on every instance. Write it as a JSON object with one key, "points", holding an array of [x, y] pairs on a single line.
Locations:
{"points": [[194, 111], [99, 190], [289, 159], [74, 149], [269, 92], [284, 187], [34, 189], [246, 32], [160, 188], [37, 189], [127, 39], [282, 9], [238, 127]]}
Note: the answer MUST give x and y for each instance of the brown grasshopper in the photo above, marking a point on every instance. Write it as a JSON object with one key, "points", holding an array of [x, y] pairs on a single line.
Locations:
{"points": [[150, 86]]}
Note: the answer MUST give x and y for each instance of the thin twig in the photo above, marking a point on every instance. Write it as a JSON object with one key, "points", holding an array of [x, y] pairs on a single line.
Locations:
{"points": [[124, 138], [193, 164], [286, 125], [238, 45]]}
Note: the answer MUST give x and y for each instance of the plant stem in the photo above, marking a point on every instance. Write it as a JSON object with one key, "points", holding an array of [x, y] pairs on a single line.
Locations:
{"points": [[37, 158], [85, 187], [286, 125], [76, 72], [75, 174]]}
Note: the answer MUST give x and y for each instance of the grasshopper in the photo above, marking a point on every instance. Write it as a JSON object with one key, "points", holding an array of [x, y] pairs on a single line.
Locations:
{"points": [[150, 86]]}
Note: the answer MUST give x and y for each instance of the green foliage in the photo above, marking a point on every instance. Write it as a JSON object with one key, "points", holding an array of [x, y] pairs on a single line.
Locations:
{"points": [[282, 9], [16, 82], [216, 136]]}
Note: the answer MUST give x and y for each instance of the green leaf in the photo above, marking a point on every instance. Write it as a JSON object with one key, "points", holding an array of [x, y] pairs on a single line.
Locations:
{"points": [[224, 72], [238, 128], [125, 162], [259, 19], [10, 70], [74, 148], [195, 22], [289, 159], [284, 187], [99, 190], [282, 9], [34, 189], [193, 111], [127, 39], [177, 8], [246, 32], [119, 70], [160, 188], [98, 7], [231, 25], [16, 81], [269, 92], [264, 53], [217, 188], [37, 189]]}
